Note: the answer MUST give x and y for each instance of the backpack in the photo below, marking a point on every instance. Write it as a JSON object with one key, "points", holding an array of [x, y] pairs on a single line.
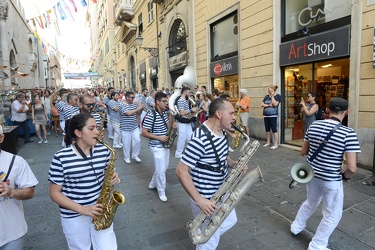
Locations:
{"points": [[320, 114]]}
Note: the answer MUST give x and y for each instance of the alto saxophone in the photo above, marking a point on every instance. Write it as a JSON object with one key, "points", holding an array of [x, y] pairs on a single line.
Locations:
{"points": [[171, 133], [110, 200], [226, 197]]}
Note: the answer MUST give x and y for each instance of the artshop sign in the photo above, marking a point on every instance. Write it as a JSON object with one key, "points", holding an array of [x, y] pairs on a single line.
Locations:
{"points": [[228, 66], [326, 45]]}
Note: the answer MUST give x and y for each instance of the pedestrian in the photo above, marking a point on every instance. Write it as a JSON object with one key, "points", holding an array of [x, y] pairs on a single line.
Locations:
{"points": [[309, 111], [113, 107], [155, 127], [327, 183], [143, 99], [244, 104], [185, 129], [39, 117], [76, 177], [204, 168], [17, 183], [128, 111], [19, 109], [270, 106]]}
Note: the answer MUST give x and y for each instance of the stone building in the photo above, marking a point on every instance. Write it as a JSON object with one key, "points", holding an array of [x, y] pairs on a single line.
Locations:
{"points": [[20, 53]]}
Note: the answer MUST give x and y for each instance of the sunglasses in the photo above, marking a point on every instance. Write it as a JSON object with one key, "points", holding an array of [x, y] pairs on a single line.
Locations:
{"points": [[90, 105]]}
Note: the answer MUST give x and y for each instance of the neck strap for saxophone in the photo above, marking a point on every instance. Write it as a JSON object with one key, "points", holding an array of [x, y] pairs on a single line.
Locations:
{"points": [[80, 151]]}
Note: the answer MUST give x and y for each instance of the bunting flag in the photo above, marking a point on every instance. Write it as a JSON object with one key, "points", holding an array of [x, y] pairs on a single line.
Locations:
{"points": [[74, 5], [83, 2], [49, 17], [46, 24], [68, 10], [94, 1], [61, 11], [40, 25]]}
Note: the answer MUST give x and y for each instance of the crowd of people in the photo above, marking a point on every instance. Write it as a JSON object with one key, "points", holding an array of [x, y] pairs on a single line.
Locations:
{"points": [[77, 171]]}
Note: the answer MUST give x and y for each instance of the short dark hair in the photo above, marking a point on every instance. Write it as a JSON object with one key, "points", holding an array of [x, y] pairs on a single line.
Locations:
{"points": [[224, 96], [128, 93], [110, 88], [113, 94], [63, 91], [160, 95], [144, 89], [217, 104], [70, 96], [184, 89]]}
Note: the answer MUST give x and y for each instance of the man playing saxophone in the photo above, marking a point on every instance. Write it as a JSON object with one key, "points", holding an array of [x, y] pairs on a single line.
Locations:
{"points": [[155, 127], [204, 166]]}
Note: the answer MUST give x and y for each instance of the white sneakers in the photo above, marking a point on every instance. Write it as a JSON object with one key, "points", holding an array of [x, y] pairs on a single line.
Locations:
{"points": [[45, 141], [127, 161], [162, 197], [230, 149], [117, 146], [178, 156], [40, 141], [151, 186], [137, 159]]}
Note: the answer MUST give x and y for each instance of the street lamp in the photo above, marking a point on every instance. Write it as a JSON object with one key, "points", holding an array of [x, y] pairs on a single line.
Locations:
{"points": [[153, 51]]}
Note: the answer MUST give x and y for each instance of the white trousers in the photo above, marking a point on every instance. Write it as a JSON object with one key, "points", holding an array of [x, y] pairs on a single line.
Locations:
{"points": [[116, 133], [131, 138], [80, 234], [17, 244], [332, 194], [161, 162], [227, 224], [109, 127], [185, 132]]}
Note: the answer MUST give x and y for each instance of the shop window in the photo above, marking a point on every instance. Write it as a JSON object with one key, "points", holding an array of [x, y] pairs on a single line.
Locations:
{"points": [[326, 79], [227, 85]]}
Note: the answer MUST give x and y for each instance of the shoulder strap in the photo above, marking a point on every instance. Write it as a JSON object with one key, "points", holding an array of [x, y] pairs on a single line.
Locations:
{"points": [[154, 113], [208, 134], [10, 168], [324, 142]]}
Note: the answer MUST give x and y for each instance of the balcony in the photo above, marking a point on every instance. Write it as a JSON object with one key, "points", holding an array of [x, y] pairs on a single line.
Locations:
{"points": [[124, 11]]}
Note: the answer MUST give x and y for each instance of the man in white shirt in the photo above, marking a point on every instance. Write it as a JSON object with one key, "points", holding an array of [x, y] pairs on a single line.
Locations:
{"points": [[19, 110]]}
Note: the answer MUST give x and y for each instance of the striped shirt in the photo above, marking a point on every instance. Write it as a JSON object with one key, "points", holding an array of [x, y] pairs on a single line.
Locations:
{"points": [[80, 181], [115, 116], [142, 99], [70, 111], [98, 119], [183, 104], [199, 150], [327, 164], [60, 105], [127, 122], [150, 101], [159, 126]]}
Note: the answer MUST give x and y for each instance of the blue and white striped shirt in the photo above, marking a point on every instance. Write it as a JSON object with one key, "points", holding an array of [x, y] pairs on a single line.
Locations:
{"points": [[327, 164], [199, 150], [159, 127], [80, 181], [60, 105], [70, 111], [183, 104], [128, 122], [115, 116]]}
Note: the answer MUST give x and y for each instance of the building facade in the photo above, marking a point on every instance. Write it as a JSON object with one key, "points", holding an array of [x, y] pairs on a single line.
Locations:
{"points": [[306, 46]]}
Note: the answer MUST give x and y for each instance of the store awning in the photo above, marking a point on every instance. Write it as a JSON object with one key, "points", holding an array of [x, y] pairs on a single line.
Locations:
{"points": [[128, 30]]}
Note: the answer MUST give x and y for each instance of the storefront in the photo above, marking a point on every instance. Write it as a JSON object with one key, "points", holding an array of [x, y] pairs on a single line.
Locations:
{"points": [[224, 55], [314, 58]]}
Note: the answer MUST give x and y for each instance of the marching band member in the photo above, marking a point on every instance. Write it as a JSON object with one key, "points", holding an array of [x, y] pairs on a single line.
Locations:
{"points": [[185, 130], [113, 107], [143, 99], [155, 127], [199, 171], [128, 111]]}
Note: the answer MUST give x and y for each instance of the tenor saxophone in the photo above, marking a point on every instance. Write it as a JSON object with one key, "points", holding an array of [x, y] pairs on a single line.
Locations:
{"points": [[236, 140], [226, 197], [110, 200]]}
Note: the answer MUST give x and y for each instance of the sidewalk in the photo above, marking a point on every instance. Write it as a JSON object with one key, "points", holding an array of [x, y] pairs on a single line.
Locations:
{"points": [[144, 222]]}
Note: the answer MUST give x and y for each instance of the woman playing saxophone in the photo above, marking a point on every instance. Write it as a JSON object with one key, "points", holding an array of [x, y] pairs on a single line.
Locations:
{"points": [[202, 171], [76, 177]]}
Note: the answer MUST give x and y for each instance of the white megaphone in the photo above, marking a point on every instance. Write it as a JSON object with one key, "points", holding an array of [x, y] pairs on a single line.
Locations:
{"points": [[301, 173]]}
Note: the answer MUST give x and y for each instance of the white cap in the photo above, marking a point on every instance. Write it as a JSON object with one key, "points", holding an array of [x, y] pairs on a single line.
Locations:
{"points": [[243, 91]]}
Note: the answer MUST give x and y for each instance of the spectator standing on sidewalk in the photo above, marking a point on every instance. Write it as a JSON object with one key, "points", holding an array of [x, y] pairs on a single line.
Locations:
{"points": [[19, 109], [17, 183], [327, 183], [39, 116]]}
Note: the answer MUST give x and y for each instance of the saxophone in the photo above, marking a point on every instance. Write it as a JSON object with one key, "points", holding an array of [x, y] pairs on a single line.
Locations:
{"points": [[110, 203], [171, 133], [236, 140], [226, 197]]}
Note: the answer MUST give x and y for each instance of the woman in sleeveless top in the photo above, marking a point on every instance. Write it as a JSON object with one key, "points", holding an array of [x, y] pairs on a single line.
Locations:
{"points": [[308, 111], [39, 116]]}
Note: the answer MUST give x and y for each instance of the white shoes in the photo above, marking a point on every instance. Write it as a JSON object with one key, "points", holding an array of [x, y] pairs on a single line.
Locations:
{"points": [[40, 141], [162, 197], [230, 149], [136, 158], [151, 186], [178, 156], [117, 146], [45, 141], [127, 161]]}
